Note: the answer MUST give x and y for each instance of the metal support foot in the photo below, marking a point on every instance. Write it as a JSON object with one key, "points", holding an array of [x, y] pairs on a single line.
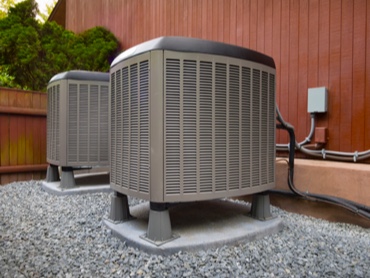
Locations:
{"points": [[119, 209], [67, 179], [261, 206], [52, 173], [159, 227]]}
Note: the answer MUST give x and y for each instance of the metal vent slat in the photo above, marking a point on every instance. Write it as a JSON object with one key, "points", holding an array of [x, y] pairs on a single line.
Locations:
{"points": [[144, 127], [83, 117], [220, 130], [104, 123], [271, 129], [73, 123], [172, 134], [48, 123], [119, 132], [234, 91], [93, 154], [246, 127], [113, 127], [189, 127], [57, 121], [134, 127], [264, 127], [124, 170], [205, 127], [256, 127]]}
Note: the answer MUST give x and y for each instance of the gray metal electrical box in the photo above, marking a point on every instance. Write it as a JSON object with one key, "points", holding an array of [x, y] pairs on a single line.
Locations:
{"points": [[317, 100]]}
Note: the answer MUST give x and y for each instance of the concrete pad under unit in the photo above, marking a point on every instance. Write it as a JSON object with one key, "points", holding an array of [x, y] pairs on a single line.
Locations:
{"points": [[196, 226], [85, 183]]}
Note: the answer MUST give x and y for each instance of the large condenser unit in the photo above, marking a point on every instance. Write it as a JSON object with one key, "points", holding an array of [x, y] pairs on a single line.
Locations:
{"points": [[191, 120], [77, 122]]}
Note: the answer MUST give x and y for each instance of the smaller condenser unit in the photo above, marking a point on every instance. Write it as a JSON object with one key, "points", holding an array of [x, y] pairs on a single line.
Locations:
{"points": [[78, 119]]}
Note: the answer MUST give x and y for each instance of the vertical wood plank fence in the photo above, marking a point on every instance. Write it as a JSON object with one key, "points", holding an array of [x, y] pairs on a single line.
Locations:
{"points": [[22, 135], [314, 43]]}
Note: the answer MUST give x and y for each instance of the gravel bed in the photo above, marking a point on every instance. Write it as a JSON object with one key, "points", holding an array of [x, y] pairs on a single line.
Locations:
{"points": [[43, 235]]}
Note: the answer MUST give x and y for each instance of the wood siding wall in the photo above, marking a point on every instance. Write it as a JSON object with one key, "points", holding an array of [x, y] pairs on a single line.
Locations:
{"points": [[22, 135], [314, 43]]}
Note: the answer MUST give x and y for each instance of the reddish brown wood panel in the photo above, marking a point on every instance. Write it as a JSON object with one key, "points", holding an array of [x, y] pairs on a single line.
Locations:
{"points": [[303, 51], [293, 67], [323, 52], [346, 75], [314, 43], [359, 75], [367, 78], [22, 133]]}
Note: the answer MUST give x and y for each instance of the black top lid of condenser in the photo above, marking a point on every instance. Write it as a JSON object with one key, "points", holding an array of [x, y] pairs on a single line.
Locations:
{"points": [[192, 45], [81, 75]]}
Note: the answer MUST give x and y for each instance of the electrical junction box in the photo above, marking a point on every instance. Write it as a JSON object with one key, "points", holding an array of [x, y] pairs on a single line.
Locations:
{"points": [[317, 100]]}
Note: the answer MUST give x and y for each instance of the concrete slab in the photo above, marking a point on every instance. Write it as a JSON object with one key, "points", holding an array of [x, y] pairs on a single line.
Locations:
{"points": [[346, 180], [196, 226], [85, 183]]}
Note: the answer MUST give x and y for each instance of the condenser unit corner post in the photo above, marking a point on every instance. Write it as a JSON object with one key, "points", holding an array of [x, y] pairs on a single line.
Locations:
{"points": [[77, 124], [191, 120]]}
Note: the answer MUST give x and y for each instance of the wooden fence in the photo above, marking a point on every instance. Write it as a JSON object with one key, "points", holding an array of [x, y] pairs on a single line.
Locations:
{"points": [[22, 135], [314, 43]]}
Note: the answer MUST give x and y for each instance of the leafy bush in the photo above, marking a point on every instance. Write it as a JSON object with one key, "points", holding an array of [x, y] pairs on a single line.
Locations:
{"points": [[31, 52]]}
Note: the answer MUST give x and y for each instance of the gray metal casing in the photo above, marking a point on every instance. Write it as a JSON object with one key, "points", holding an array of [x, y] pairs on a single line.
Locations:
{"points": [[78, 119], [191, 121]]}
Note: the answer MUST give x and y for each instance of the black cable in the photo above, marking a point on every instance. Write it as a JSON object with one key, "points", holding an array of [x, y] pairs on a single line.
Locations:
{"points": [[352, 206]]}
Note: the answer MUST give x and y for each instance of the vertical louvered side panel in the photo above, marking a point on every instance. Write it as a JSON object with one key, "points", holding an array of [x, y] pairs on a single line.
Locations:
{"points": [[246, 128], [205, 127], [113, 129], [93, 148], [72, 123], [220, 127], [134, 127], [130, 128], [83, 118], [103, 125], [233, 147], [271, 127], [144, 127], [118, 122], [124, 140], [172, 127], [264, 128], [190, 127], [57, 121], [57, 116], [53, 123], [130, 149], [48, 123], [256, 127]]}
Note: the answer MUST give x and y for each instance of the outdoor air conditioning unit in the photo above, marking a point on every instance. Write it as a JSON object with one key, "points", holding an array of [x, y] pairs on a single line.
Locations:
{"points": [[191, 120], [77, 122]]}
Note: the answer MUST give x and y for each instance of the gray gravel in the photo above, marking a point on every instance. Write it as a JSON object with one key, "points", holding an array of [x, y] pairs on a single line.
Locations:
{"points": [[42, 235]]}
